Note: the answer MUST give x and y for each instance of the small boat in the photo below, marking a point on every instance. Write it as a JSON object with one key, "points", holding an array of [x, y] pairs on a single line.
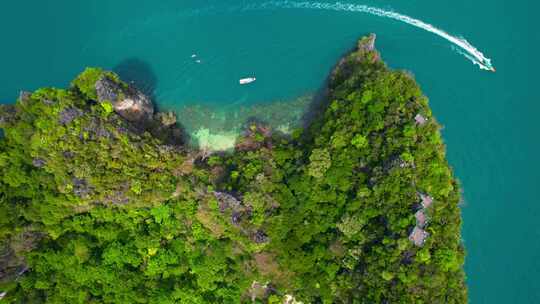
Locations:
{"points": [[194, 55], [247, 80]]}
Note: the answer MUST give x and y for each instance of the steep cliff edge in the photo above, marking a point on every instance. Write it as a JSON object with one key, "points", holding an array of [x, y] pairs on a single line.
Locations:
{"points": [[130, 103]]}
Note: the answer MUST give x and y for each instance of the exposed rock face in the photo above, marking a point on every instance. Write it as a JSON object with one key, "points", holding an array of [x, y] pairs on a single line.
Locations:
{"points": [[367, 44], [137, 108], [130, 103], [12, 252], [7, 114], [236, 217], [68, 115], [259, 237], [24, 96], [230, 203], [291, 300], [81, 187], [167, 119], [38, 162], [365, 52], [255, 137], [227, 201], [239, 214], [260, 291]]}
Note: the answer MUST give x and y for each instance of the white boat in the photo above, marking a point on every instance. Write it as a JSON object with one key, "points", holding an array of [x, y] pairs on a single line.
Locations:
{"points": [[247, 80]]}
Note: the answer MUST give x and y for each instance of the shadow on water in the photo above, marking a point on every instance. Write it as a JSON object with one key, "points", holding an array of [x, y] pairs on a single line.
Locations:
{"points": [[318, 104], [320, 101], [139, 73]]}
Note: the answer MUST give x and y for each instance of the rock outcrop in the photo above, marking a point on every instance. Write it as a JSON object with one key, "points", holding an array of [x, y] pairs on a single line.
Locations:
{"points": [[167, 119], [365, 53], [134, 106], [367, 44], [366, 48], [128, 102], [7, 114], [69, 114], [24, 96]]}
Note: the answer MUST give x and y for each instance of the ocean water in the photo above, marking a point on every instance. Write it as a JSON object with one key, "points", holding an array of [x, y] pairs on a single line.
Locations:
{"points": [[490, 119]]}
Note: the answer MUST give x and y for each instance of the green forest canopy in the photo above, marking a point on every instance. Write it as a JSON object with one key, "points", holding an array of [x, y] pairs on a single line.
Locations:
{"points": [[360, 207]]}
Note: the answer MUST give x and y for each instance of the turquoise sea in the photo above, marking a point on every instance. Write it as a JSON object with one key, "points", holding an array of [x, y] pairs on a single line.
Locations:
{"points": [[490, 119]]}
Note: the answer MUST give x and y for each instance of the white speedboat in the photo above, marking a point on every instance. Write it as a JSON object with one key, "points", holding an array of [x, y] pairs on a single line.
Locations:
{"points": [[247, 80]]}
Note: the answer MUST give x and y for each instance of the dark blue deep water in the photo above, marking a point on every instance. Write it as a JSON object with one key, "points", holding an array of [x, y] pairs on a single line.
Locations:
{"points": [[490, 119]]}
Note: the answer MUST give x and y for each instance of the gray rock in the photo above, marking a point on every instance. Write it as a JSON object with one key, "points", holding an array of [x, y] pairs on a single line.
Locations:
{"points": [[68, 115], [130, 103], [227, 201], [107, 90], [259, 237], [81, 187], [97, 130], [166, 118], [24, 96], [101, 132], [236, 217], [38, 162], [7, 114], [122, 130], [68, 154], [367, 44], [118, 198]]}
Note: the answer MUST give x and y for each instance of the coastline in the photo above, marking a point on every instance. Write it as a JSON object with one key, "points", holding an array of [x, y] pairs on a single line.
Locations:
{"points": [[213, 129]]}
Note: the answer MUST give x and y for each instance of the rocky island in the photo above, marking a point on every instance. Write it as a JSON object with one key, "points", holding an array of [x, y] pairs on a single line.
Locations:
{"points": [[104, 202]]}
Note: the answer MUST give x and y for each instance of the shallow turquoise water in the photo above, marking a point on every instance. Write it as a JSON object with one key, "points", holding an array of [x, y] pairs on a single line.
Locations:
{"points": [[490, 118]]}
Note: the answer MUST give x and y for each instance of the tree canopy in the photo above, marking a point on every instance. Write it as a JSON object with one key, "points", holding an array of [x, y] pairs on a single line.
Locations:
{"points": [[97, 209]]}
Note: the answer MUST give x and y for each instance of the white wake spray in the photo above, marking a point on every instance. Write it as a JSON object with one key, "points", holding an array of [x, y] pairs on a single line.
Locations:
{"points": [[465, 48]]}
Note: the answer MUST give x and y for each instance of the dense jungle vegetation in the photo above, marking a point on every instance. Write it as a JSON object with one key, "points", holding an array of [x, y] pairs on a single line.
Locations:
{"points": [[100, 209]]}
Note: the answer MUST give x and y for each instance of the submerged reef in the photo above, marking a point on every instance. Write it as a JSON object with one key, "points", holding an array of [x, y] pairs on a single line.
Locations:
{"points": [[219, 129], [104, 201]]}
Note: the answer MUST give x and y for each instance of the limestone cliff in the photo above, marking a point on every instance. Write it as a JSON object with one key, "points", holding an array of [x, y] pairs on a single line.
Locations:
{"points": [[128, 102]]}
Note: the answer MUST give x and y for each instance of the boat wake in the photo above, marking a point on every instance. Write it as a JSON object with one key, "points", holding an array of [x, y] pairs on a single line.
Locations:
{"points": [[463, 46]]}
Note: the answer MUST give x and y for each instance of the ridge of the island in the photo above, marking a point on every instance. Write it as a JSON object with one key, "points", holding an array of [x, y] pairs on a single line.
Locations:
{"points": [[103, 200]]}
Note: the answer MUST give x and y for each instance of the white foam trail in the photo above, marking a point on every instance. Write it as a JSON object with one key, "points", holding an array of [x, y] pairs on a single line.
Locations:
{"points": [[465, 48]]}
